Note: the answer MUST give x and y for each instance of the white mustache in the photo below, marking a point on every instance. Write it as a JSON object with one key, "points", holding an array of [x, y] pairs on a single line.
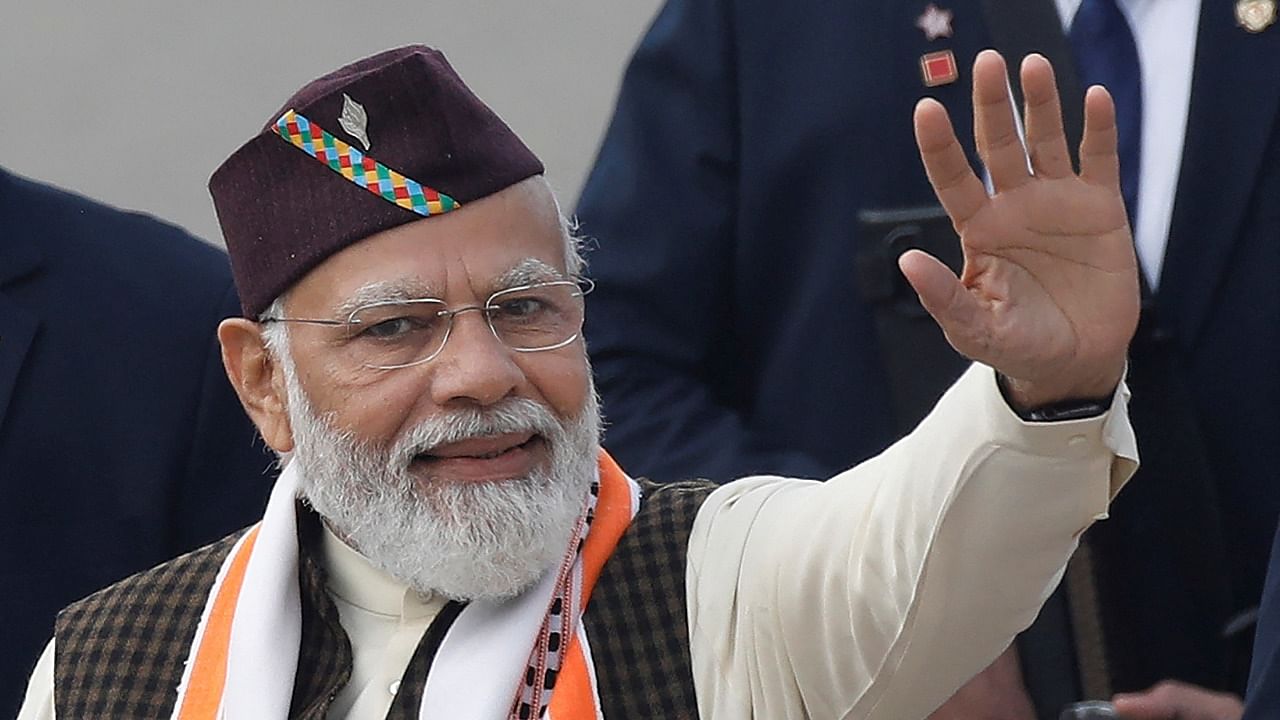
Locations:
{"points": [[510, 416]]}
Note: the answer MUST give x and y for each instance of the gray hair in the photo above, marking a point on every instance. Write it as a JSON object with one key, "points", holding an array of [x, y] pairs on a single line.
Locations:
{"points": [[574, 260], [275, 335]]}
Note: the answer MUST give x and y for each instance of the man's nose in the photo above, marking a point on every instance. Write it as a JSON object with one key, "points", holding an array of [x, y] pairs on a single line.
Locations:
{"points": [[474, 365]]}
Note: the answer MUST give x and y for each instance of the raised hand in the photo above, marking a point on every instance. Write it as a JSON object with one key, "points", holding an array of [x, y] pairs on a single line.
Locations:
{"points": [[1049, 291]]}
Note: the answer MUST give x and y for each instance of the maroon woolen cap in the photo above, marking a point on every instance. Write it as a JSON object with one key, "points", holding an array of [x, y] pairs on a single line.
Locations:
{"points": [[403, 114]]}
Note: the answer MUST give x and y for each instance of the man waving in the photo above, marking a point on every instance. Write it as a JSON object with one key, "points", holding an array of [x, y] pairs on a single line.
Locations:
{"points": [[448, 538]]}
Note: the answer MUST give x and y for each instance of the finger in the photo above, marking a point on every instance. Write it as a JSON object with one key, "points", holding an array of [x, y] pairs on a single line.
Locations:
{"points": [[1141, 707], [959, 190], [994, 128], [1173, 700], [944, 296], [1046, 140], [1099, 164]]}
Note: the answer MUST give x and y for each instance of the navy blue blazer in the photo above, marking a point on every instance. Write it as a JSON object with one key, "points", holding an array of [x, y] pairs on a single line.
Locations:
{"points": [[729, 335], [1263, 698], [121, 441]]}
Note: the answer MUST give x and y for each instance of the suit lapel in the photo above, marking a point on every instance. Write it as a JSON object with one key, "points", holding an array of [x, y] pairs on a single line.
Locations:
{"points": [[17, 326], [1235, 92]]}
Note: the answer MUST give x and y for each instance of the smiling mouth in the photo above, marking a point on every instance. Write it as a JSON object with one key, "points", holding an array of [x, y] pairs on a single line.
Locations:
{"points": [[491, 458]]}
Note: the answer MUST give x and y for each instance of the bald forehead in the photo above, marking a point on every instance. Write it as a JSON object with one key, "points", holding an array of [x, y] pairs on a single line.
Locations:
{"points": [[535, 197]]}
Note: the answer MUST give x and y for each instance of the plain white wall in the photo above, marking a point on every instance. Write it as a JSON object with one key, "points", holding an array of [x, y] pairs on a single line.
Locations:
{"points": [[135, 102]]}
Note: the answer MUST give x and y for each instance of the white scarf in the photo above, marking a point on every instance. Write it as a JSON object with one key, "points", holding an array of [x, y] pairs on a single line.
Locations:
{"points": [[244, 657]]}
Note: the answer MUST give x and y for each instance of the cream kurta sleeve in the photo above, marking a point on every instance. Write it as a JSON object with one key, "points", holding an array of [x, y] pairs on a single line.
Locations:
{"points": [[876, 594], [38, 703]]}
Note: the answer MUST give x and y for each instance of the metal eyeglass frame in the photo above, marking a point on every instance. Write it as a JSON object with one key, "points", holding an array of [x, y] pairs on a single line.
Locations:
{"points": [[584, 285]]}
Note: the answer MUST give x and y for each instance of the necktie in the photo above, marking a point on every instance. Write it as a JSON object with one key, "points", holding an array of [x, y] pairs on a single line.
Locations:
{"points": [[1106, 54]]}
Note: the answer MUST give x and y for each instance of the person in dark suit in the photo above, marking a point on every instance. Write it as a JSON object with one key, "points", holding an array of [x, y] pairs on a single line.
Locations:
{"points": [[748, 138], [121, 442], [1264, 677]]}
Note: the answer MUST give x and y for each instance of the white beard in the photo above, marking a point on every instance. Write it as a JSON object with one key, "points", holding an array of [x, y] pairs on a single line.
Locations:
{"points": [[467, 541]]}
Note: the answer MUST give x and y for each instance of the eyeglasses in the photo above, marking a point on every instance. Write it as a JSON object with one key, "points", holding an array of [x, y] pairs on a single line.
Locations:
{"points": [[393, 334]]}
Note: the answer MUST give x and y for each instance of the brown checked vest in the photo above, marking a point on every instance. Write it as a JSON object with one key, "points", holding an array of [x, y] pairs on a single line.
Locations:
{"points": [[120, 652]]}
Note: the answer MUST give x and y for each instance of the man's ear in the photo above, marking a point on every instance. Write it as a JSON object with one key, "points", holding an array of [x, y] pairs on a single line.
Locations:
{"points": [[257, 379]]}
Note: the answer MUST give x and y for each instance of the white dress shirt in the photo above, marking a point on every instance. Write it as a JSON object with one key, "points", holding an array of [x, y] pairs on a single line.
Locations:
{"points": [[1165, 33]]}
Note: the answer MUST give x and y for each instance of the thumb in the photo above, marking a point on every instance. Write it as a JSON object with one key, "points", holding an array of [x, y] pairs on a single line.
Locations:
{"points": [[943, 295]]}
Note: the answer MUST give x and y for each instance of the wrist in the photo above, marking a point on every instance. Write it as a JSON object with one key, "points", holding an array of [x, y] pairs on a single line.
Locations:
{"points": [[1040, 403]]}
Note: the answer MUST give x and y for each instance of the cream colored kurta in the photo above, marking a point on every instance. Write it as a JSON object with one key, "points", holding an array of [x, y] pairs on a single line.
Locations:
{"points": [[876, 594], [385, 620], [873, 595]]}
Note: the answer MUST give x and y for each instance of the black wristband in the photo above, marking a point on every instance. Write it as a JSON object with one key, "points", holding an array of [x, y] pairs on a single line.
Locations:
{"points": [[1065, 410], [1056, 412]]}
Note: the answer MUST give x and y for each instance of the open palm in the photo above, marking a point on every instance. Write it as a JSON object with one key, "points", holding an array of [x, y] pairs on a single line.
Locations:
{"points": [[1049, 291]]}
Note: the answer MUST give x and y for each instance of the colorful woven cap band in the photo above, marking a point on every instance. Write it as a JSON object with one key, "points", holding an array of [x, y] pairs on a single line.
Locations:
{"points": [[361, 169], [391, 139]]}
